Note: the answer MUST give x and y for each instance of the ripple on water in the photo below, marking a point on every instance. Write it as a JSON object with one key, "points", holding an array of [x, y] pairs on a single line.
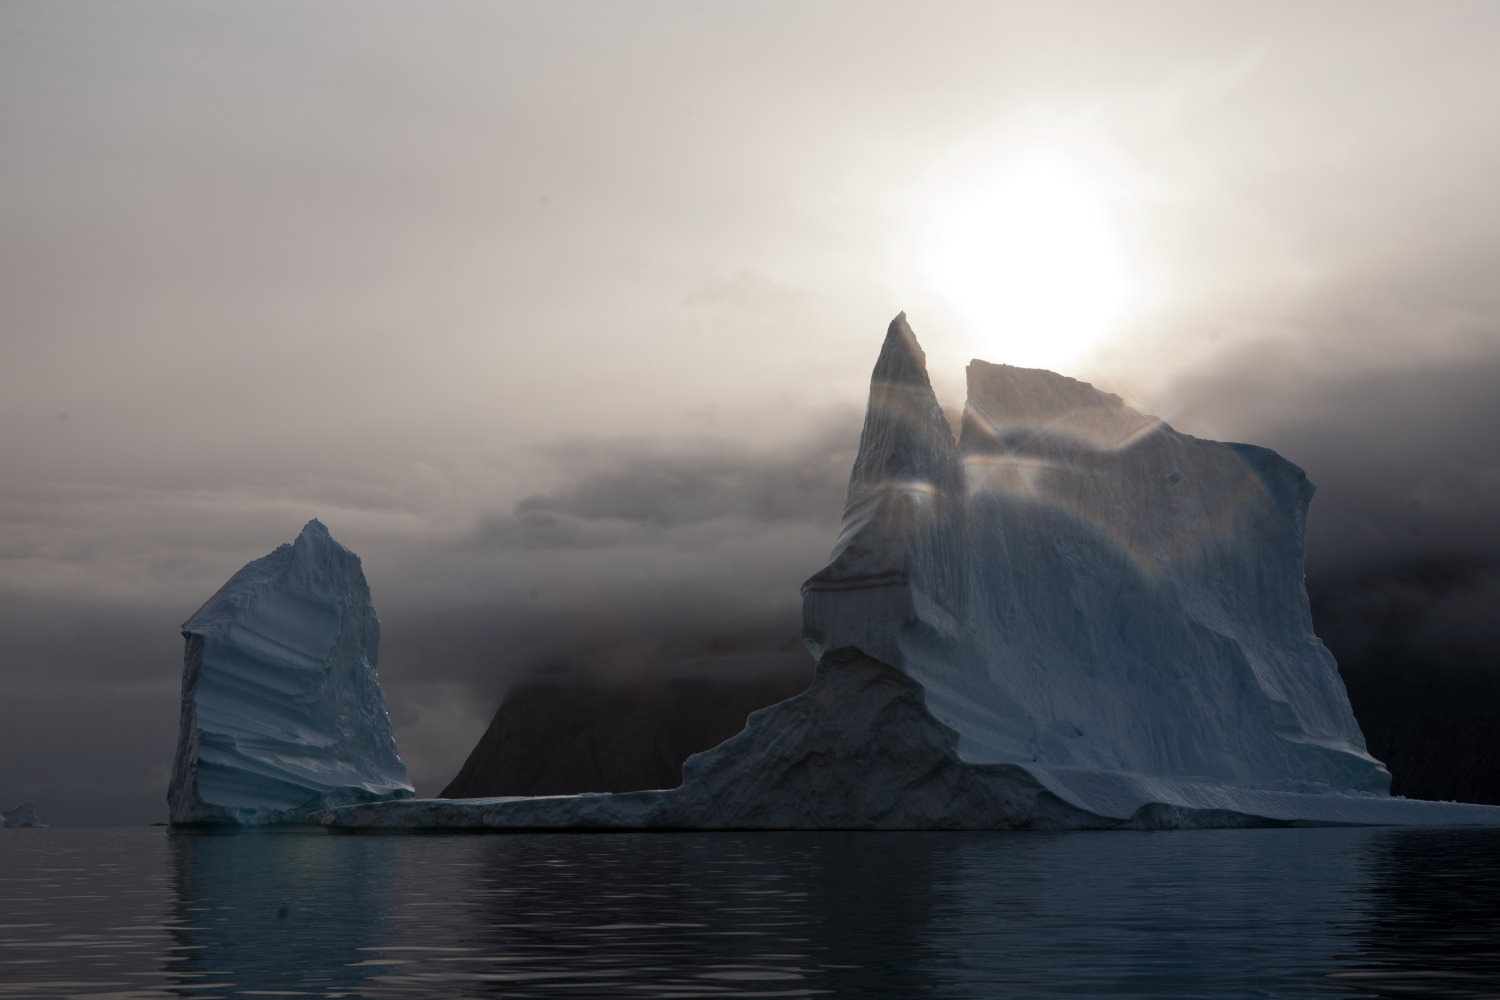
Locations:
{"points": [[1220, 914]]}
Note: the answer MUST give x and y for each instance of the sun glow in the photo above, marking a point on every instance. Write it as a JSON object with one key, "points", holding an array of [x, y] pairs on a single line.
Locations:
{"points": [[1025, 252]]}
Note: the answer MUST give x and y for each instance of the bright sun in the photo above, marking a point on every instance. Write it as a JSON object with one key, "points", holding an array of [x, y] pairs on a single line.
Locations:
{"points": [[1025, 253]]}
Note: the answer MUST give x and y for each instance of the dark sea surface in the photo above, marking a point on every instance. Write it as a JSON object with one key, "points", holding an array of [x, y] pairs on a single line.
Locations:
{"points": [[138, 913]]}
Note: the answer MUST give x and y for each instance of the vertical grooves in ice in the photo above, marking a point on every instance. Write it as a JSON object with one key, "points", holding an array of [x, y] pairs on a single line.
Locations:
{"points": [[1076, 583]]}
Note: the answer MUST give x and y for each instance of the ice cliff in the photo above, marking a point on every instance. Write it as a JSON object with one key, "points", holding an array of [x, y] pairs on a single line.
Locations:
{"points": [[282, 712], [1072, 616], [1076, 584]]}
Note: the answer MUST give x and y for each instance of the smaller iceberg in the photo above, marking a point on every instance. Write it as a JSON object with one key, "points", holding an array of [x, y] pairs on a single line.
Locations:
{"points": [[282, 711], [21, 816]]}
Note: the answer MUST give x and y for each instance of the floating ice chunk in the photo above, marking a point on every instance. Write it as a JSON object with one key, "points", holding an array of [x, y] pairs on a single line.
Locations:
{"points": [[21, 815]]}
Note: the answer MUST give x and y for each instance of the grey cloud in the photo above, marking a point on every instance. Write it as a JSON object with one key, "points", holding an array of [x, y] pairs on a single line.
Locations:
{"points": [[645, 555], [630, 489], [89, 753], [1406, 459], [88, 716], [674, 552], [658, 549], [1418, 645], [1415, 615]]}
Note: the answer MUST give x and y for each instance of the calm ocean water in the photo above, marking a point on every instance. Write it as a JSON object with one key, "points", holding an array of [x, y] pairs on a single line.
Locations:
{"points": [[140, 913]]}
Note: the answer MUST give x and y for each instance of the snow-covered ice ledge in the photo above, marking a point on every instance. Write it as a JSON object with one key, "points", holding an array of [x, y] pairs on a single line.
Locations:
{"points": [[1072, 617]]}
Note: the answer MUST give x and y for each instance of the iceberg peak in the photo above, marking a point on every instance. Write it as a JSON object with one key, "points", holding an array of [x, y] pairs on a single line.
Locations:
{"points": [[901, 359], [282, 711], [907, 482], [906, 437]]}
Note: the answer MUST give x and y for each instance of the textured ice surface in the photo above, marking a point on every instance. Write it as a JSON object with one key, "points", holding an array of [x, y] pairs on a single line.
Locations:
{"points": [[1074, 583], [282, 711], [1072, 617], [21, 815]]}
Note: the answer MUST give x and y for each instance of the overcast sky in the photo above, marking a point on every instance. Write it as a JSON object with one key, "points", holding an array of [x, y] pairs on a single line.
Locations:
{"points": [[561, 315]]}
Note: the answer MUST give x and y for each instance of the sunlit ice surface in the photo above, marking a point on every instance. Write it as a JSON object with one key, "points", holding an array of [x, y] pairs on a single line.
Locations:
{"points": [[1054, 462], [1067, 483], [1023, 247]]}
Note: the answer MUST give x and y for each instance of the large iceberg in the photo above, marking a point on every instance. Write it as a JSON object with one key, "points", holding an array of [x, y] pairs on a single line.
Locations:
{"points": [[282, 711], [1071, 617], [1077, 585]]}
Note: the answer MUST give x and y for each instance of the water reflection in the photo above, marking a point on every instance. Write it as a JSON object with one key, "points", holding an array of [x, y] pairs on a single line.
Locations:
{"points": [[1214, 914], [1186, 914], [286, 912], [1432, 915], [723, 914]]}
